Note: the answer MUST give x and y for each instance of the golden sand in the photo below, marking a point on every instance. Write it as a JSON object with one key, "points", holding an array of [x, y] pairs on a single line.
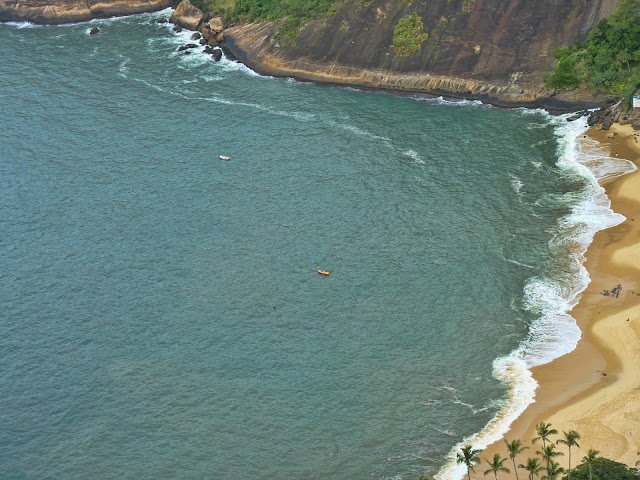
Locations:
{"points": [[595, 389]]}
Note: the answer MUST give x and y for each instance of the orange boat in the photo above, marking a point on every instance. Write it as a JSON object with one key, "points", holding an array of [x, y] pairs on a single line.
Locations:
{"points": [[324, 272]]}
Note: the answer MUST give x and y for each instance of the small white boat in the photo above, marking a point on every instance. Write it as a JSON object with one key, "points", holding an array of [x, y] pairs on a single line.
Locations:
{"points": [[224, 157]]}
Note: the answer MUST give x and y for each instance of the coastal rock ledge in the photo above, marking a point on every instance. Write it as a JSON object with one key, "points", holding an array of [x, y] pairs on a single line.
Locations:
{"points": [[67, 11], [209, 29]]}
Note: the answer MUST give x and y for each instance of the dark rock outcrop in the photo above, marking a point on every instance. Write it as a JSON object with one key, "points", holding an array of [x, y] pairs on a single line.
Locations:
{"points": [[94, 31], [216, 54]]}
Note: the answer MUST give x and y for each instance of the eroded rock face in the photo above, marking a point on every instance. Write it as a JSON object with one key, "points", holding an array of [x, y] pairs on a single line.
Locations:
{"points": [[187, 16], [497, 48], [65, 11]]}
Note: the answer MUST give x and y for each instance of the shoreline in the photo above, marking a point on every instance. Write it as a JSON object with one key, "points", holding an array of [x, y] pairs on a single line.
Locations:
{"points": [[567, 406], [251, 52], [248, 45], [593, 388]]}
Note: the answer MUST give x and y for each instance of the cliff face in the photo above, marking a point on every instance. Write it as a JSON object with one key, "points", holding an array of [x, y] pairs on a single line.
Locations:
{"points": [[65, 11], [487, 48]]}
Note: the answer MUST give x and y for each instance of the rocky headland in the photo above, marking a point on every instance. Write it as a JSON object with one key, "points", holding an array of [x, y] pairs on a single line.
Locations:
{"points": [[68, 11], [495, 51]]}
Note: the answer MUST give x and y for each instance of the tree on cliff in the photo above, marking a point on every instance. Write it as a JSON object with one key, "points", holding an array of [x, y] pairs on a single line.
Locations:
{"points": [[608, 61]]}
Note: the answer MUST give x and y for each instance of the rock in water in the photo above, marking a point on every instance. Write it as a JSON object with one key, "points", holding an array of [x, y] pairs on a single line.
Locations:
{"points": [[216, 54], [186, 15], [94, 31], [177, 28], [163, 20], [196, 36]]}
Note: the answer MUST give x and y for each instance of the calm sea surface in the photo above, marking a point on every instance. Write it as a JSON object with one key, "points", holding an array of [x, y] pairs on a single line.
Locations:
{"points": [[160, 312]]}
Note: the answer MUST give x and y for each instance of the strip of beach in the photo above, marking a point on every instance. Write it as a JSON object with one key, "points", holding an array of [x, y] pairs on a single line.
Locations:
{"points": [[595, 389]]}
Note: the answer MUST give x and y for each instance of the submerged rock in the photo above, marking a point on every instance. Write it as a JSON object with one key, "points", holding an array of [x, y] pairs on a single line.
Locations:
{"points": [[94, 31], [162, 20], [196, 36]]}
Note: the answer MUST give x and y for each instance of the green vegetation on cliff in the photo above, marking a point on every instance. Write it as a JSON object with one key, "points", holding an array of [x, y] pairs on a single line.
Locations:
{"points": [[294, 12], [408, 35], [608, 61]]}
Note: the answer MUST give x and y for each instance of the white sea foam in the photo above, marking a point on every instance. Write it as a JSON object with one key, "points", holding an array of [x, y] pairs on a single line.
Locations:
{"points": [[358, 131], [554, 333], [452, 102], [21, 25], [516, 183], [415, 156]]}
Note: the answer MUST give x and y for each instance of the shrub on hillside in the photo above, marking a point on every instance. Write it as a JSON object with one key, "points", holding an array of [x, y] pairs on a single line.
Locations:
{"points": [[408, 35]]}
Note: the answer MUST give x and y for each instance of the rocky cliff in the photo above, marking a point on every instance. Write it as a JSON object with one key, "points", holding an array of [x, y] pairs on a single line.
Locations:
{"points": [[65, 11], [496, 49], [489, 49]]}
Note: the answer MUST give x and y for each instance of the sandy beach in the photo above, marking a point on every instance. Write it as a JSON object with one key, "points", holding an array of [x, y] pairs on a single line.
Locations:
{"points": [[595, 389]]}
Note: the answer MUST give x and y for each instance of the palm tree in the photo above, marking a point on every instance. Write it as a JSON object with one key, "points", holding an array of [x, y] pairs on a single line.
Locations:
{"points": [[589, 458], [548, 453], [544, 431], [553, 470], [570, 440], [497, 465], [468, 456], [515, 448], [533, 467]]}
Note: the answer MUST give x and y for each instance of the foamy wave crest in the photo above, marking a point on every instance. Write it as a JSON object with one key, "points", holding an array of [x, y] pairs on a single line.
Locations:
{"points": [[358, 131], [554, 332], [415, 156], [516, 183], [513, 371], [463, 102], [21, 25]]}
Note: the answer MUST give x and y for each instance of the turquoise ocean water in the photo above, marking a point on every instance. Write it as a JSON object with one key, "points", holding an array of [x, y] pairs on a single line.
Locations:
{"points": [[160, 312]]}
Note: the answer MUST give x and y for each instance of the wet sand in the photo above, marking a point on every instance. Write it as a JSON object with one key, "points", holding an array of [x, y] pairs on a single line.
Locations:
{"points": [[595, 389]]}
